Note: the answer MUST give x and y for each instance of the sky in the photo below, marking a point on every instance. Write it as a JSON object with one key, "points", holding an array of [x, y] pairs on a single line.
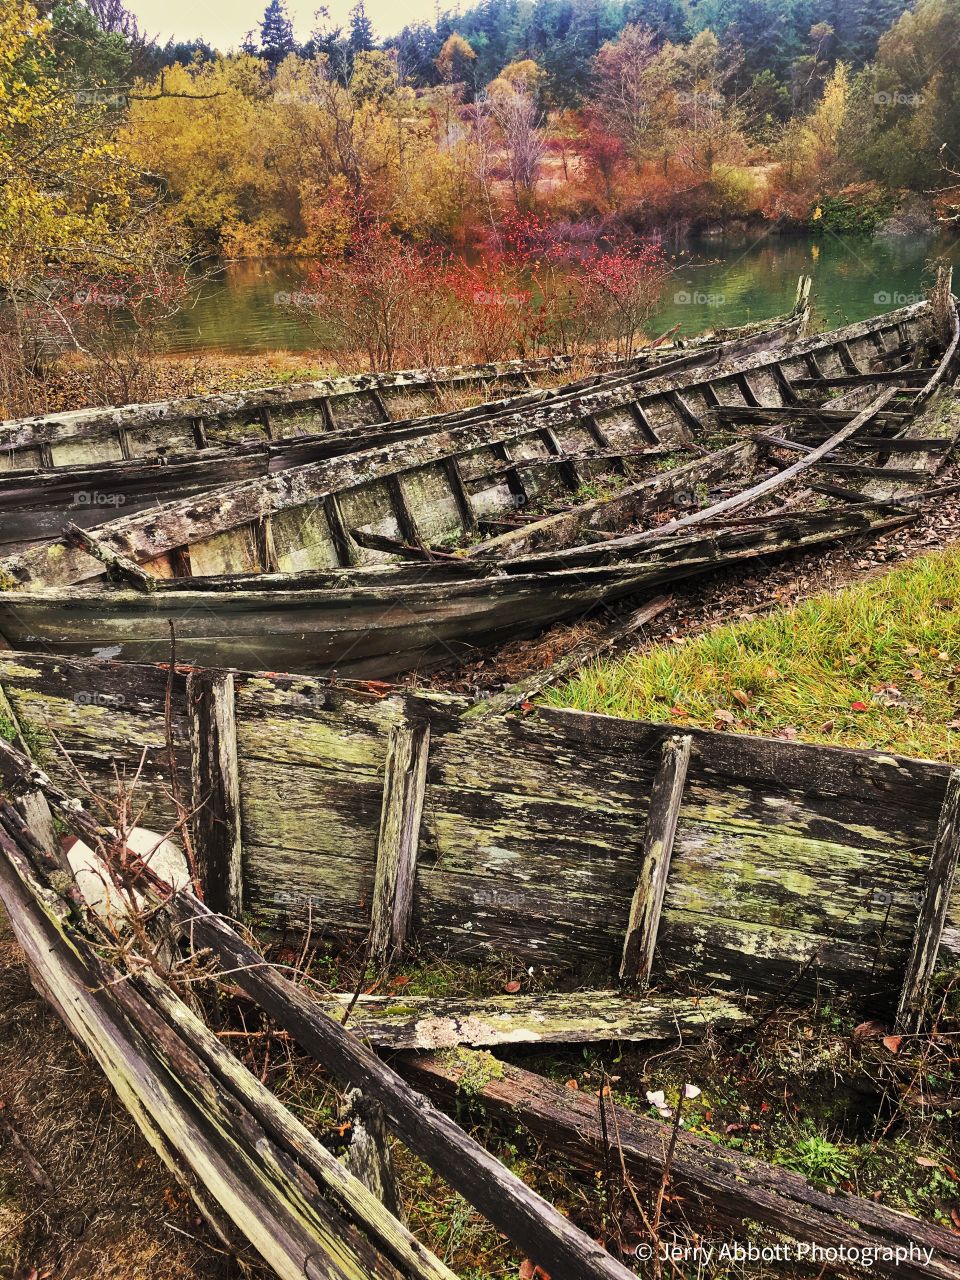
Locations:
{"points": [[224, 23]]}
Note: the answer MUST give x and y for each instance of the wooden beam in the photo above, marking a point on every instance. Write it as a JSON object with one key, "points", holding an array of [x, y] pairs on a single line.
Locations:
{"points": [[342, 542], [468, 517], [547, 1237], [734, 414], [120, 568], [662, 815], [884, 473], [899, 444], [580, 1017], [905, 376], [216, 789], [933, 911], [710, 1184], [404, 782]]}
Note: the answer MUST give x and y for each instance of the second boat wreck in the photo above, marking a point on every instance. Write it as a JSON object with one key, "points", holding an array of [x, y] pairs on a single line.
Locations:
{"points": [[218, 567]]}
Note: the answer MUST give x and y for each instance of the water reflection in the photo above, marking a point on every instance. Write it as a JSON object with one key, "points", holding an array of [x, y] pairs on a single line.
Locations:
{"points": [[246, 306]]}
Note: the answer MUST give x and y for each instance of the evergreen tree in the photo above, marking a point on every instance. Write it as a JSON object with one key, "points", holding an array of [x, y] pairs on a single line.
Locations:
{"points": [[361, 30], [276, 33]]}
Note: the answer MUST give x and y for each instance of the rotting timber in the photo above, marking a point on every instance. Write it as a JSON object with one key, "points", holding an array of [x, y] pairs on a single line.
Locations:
{"points": [[218, 566], [524, 835], [253, 1168], [83, 464]]}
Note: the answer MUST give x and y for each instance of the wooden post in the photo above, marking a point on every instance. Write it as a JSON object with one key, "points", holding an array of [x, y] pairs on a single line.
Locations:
{"points": [[644, 922], [403, 788], [32, 804], [933, 911], [216, 789], [368, 1155]]}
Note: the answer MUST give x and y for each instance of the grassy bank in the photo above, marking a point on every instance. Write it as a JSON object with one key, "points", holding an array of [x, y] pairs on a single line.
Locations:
{"points": [[875, 665]]}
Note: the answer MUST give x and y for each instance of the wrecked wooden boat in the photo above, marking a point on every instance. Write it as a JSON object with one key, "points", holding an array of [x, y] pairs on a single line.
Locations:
{"points": [[171, 427], [521, 835], [259, 1176], [166, 569], [439, 488], [85, 466]]}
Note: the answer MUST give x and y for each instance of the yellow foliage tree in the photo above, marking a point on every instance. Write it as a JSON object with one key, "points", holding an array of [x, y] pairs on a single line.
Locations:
{"points": [[65, 192]]}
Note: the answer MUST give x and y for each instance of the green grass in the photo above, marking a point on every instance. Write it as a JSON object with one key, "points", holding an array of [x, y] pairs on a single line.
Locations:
{"points": [[875, 665]]}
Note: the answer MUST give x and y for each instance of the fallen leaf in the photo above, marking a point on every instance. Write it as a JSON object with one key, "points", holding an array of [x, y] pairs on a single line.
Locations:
{"points": [[742, 697], [955, 1218], [511, 987], [572, 1084], [858, 706], [678, 711], [725, 717], [926, 1163], [733, 1128], [865, 1030], [892, 1043]]}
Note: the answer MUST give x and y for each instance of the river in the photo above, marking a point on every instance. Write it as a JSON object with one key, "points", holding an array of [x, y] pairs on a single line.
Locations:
{"points": [[245, 306]]}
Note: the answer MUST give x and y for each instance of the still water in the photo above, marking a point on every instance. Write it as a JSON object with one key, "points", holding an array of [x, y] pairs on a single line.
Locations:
{"points": [[246, 306]]}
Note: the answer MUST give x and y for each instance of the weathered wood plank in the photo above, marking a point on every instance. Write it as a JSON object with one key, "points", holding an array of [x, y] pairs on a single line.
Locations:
{"points": [[662, 816], [405, 776], [583, 1017], [933, 911], [215, 777], [546, 1235], [708, 1182], [219, 1125]]}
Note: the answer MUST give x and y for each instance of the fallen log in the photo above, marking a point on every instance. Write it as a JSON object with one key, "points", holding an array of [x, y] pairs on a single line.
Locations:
{"points": [[715, 1183]]}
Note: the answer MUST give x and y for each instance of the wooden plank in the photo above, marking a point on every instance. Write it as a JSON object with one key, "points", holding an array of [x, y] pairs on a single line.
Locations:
{"points": [[583, 1017], [546, 1235], [933, 911], [709, 1183], [216, 789], [33, 803], [405, 776], [661, 828], [883, 472], [904, 376], [468, 517], [119, 567], [342, 542], [747, 496], [208, 1118]]}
